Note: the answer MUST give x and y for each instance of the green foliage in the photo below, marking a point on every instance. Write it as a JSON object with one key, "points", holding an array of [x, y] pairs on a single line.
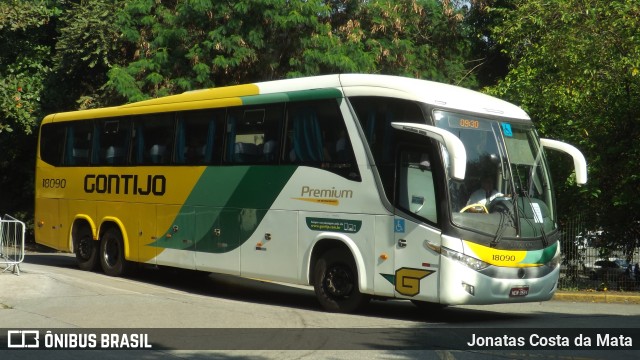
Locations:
{"points": [[25, 41], [194, 44], [88, 45], [574, 68], [21, 85], [198, 43], [489, 61]]}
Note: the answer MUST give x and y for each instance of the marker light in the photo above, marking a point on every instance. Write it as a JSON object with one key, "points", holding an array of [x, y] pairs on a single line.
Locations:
{"points": [[469, 288]]}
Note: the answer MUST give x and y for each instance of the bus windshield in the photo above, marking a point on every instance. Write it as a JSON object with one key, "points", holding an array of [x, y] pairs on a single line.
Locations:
{"points": [[507, 191]]}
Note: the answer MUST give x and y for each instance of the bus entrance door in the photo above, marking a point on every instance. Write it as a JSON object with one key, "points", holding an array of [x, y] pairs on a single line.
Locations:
{"points": [[416, 265], [416, 206]]}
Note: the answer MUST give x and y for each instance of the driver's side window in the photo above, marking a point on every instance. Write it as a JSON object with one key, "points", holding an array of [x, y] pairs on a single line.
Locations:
{"points": [[416, 192]]}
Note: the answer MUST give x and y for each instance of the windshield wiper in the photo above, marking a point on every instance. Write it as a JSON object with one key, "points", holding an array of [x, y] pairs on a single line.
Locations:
{"points": [[501, 228], [545, 240], [522, 189]]}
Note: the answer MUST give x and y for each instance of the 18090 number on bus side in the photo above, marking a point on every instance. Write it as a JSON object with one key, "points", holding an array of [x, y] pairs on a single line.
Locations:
{"points": [[54, 183]]}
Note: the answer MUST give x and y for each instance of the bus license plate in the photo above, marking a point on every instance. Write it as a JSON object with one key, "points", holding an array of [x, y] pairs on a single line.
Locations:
{"points": [[519, 291]]}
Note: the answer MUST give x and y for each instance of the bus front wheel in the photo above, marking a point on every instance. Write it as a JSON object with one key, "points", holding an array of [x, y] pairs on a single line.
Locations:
{"points": [[112, 253], [336, 282], [86, 250]]}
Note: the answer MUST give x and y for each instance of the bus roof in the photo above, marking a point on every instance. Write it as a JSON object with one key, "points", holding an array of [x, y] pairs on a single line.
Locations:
{"points": [[437, 94]]}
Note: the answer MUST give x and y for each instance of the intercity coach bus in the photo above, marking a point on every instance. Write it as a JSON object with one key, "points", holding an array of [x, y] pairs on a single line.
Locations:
{"points": [[359, 185]]}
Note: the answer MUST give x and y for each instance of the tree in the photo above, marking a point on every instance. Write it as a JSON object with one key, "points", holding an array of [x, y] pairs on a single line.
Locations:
{"points": [[27, 33], [179, 46], [26, 39], [490, 62], [423, 39], [575, 67], [88, 45]]}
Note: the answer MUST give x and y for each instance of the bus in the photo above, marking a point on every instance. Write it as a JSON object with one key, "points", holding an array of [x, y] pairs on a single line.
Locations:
{"points": [[358, 185]]}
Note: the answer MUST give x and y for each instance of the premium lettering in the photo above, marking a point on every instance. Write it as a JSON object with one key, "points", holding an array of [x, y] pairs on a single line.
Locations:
{"points": [[325, 193], [125, 184]]}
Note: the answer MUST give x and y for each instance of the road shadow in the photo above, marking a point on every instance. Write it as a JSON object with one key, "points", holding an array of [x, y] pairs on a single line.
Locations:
{"points": [[54, 259], [275, 294]]}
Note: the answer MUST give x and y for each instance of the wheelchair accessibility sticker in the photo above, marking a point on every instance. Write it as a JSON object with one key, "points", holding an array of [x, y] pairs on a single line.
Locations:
{"points": [[398, 225], [506, 129]]}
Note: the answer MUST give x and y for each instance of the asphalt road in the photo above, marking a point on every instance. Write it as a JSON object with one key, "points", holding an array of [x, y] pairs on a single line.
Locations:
{"points": [[225, 317]]}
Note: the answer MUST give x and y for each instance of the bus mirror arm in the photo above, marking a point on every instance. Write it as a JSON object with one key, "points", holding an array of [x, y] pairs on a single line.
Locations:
{"points": [[579, 162], [454, 146]]}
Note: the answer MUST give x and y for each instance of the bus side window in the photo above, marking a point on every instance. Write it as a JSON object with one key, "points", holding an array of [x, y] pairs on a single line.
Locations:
{"points": [[111, 142], [199, 137], [375, 115], [254, 134], [51, 146], [78, 143], [317, 136], [153, 137], [307, 143]]}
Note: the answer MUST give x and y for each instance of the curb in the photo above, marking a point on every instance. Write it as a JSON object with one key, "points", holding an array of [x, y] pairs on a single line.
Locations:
{"points": [[598, 297]]}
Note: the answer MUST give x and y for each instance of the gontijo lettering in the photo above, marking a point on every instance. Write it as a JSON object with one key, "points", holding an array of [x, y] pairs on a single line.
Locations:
{"points": [[125, 184]]}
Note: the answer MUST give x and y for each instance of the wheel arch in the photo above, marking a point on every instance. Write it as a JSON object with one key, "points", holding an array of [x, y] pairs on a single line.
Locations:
{"points": [[110, 221], [327, 241], [78, 222]]}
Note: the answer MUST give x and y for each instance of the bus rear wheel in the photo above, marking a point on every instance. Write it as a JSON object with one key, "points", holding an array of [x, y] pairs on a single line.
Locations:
{"points": [[336, 282], [86, 250], [112, 253]]}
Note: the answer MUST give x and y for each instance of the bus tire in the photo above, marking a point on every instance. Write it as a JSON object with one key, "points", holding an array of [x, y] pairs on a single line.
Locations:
{"points": [[86, 250], [112, 253], [336, 282]]}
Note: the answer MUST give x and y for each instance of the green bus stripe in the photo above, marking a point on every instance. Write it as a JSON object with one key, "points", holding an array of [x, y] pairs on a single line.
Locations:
{"points": [[542, 256], [264, 99], [315, 94], [303, 95], [234, 199]]}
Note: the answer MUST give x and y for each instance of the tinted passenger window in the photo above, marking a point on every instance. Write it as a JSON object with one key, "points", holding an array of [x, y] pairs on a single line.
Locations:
{"points": [[254, 134], [153, 139], [317, 136], [78, 143], [375, 115], [52, 143], [112, 141], [199, 137]]}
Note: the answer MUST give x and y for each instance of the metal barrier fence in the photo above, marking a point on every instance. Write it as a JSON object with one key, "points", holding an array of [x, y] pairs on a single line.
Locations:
{"points": [[588, 265], [11, 244]]}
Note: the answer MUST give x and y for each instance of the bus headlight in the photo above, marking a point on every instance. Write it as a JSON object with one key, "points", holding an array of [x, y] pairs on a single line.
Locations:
{"points": [[555, 262], [468, 261]]}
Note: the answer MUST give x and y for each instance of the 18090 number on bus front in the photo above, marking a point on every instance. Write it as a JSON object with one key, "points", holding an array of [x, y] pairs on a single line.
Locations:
{"points": [[54, 183]]}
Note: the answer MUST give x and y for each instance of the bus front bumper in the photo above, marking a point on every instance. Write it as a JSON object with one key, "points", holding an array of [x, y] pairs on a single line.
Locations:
{"points": [[462, 285]]}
